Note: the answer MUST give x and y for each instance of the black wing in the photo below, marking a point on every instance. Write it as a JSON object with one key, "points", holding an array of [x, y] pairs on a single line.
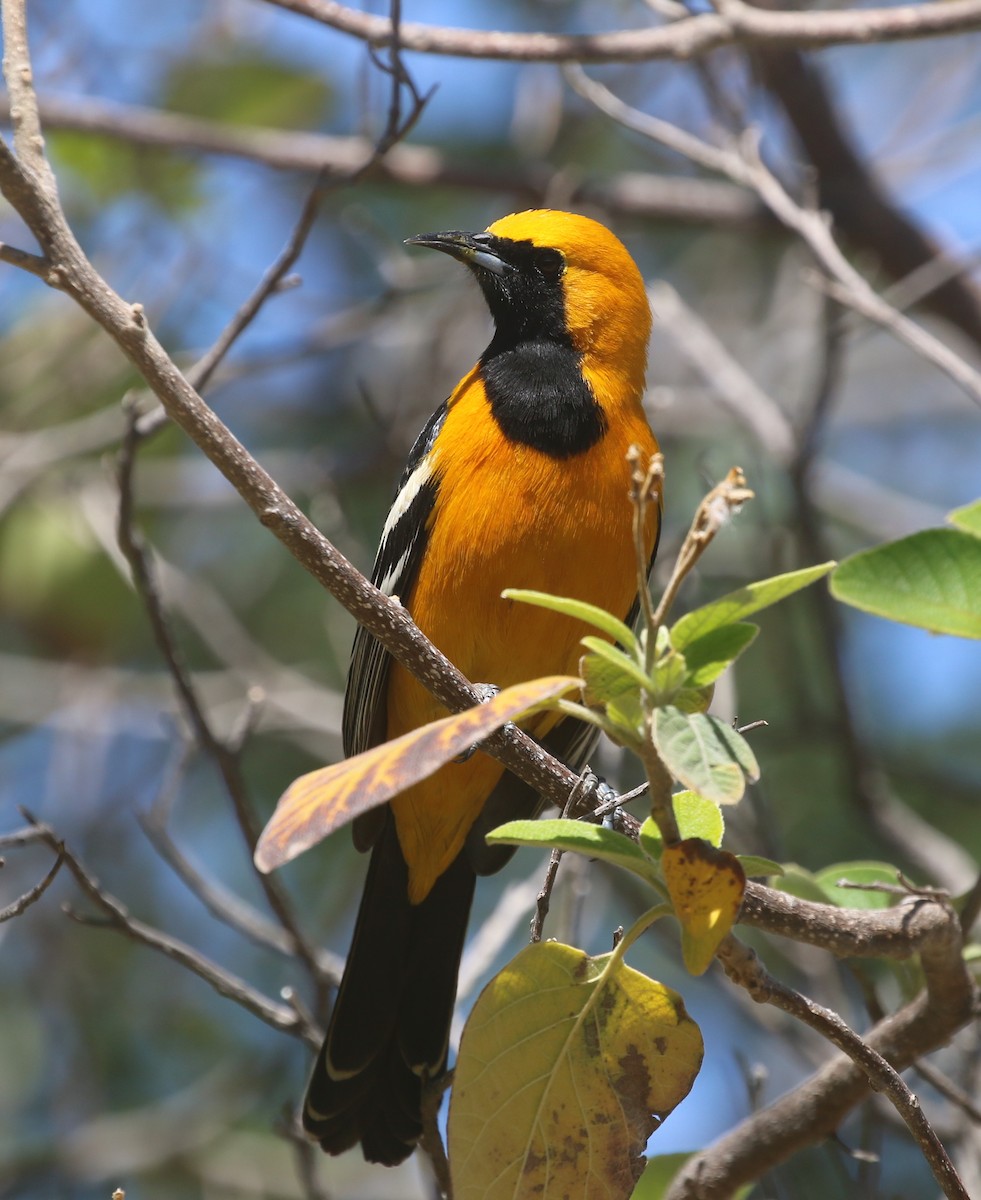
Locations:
{"points": [[403, 543]]}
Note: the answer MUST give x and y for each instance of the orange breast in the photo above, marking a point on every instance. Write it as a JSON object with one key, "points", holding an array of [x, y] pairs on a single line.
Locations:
{"points": [[507, 516]]}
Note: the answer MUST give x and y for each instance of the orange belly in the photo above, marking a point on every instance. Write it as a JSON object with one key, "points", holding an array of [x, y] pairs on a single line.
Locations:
{"points": [[555, 525]]}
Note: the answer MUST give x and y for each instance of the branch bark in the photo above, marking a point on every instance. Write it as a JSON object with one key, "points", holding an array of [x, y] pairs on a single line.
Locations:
{"points": [[846, 187], [663, 197], [736, 23]]}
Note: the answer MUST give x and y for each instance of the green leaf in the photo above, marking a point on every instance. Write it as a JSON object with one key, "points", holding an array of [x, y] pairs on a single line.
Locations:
{"points": [[624, 735], [697, 817], [708, 656], [650, 839], [704, 753], [694, 700], [247, 88], [858, 872], [581, 611], [753, 864], [660, 1172], [609, 686], [670, 672], [798, 881], [108, 168], [931, 579], [967, 518], [627, 712], [742, 603], [627, 666], [566, 1066], [593, 841]]}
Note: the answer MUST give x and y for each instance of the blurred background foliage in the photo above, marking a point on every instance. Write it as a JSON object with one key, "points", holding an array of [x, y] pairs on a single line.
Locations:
{"points": [[121, 1069]]}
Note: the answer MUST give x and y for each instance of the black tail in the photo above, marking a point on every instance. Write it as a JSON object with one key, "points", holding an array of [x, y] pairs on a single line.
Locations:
{"points": [[389, 1030]]}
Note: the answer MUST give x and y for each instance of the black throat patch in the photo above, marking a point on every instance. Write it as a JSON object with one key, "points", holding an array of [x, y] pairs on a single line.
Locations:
{"points": [[539, 398], [531, 371]]}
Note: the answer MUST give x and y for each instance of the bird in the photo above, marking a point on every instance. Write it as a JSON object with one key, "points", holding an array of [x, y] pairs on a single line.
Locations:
{"points": [[519, 480]]}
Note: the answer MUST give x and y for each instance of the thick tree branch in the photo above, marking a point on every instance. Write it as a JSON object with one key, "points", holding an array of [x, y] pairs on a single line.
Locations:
{"points": [[743, 966], [736, 23], [383, 616]]}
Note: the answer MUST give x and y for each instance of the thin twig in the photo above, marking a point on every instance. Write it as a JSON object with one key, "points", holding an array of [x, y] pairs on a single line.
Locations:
{"points": [[226, 762], [224, 904], [715, 510], [743, 164], [949, 1090], [648, 194], [743, 966], [19, 74], [224, 982], [727, 379], [35, 893], [431, 1140], [22, 837], [551, 871], [646, 488], [26, 262]]}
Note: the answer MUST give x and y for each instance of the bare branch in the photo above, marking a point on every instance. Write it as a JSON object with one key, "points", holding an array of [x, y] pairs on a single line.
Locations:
{"points": [[863, 213], [29, 897], [22, 837], [743, 966], [813, 1110], [19, 74], [680, 40], [225, 904], [746, 166], [27, 262], [728, 379], [226, 760], [224, 982], [950, 1091], [636, 193]]}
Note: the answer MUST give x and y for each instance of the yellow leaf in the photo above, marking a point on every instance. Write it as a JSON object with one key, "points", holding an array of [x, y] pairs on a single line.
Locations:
{"points": [[567, 1065], [318, 803], [706, 886]]}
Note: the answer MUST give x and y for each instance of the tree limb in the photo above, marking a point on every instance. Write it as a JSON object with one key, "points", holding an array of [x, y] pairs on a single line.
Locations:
{"points": [[689, 36]]}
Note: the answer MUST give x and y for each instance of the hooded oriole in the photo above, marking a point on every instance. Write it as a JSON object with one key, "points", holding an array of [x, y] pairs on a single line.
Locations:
{"points": [[519, 480]]}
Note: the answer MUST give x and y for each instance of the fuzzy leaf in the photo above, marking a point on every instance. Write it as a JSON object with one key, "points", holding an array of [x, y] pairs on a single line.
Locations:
{"points": [[599, 618], [743, 602], [706, 886], [697, 817], [754, 864], [566, 1066], [708, 656], [931, 579], [316, 804], [593, 841], [705, 754], [967, 518]]}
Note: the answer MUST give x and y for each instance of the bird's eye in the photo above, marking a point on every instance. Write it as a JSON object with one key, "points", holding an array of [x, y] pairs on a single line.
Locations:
{"points": [[549, 262]]}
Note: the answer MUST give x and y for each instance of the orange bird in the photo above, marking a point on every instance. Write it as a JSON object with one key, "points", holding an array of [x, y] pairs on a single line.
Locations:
{"points": [[519, 480]]}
